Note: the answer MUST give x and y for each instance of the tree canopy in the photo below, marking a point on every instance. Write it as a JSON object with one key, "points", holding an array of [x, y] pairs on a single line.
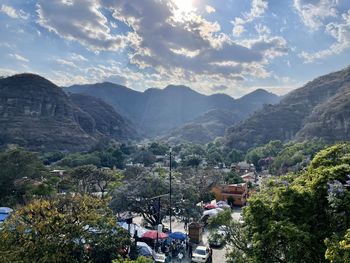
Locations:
{"points": [[303, 217], [63, 229]]}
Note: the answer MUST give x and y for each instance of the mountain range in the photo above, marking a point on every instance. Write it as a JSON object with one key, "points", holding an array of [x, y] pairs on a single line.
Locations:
{"points": [[319, 109], [157, 112], [38, 115]]}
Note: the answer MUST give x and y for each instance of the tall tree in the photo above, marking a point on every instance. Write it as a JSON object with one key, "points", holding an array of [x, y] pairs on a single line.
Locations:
{"points": [[64, 229]]}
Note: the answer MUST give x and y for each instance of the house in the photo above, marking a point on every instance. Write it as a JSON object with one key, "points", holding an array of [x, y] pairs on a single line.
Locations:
{"points": [[238, 193], [243, 168], [249, 177]]}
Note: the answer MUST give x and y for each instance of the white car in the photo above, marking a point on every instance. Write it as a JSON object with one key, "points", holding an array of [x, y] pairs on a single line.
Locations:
{"points": [[201, 254]]}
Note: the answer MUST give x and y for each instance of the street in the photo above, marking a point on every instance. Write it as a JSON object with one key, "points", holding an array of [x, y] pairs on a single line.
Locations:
{"points": [[218, 253]]}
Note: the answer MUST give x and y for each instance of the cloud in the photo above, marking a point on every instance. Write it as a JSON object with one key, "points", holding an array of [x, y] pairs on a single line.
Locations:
{"points": [[313, 13], [78, 57], [64, 62], [217, 88], [121, 80], [340, 31], [209, 9], [257, 9], [12, 12], [79, 20], [19, 58], [187, 46]]}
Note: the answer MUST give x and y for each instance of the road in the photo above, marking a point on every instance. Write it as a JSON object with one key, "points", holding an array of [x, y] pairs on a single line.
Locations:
{"points": [[218, 253]]}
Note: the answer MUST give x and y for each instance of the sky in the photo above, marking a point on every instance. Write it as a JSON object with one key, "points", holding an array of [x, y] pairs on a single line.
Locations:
{"points": [[212, 46]]}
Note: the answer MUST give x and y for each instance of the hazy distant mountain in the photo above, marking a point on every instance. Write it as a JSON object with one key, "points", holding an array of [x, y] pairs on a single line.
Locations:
{"points": [[38, 115], [204, 128], [157, 111], [309, 109]]}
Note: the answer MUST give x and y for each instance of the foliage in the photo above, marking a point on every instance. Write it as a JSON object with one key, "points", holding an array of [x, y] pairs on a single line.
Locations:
{"points": [[271, 149], [63, 229], [79, 159], [233, 178], [295, 156], [88, 178], [21, 176], [299, 217], [158, 148], [138, 260], [145, 157], [140, 187], [51, 157], [235, 156]]}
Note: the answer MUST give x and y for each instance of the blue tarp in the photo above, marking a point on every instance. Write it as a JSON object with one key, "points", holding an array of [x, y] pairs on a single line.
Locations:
{"points": [[3, 217], [5, 210], [178, 236]]}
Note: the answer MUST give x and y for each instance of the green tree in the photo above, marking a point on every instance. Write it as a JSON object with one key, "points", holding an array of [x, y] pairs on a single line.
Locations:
{"points": [[297, 217], [233, 178], [20, 173], [63, 229]]}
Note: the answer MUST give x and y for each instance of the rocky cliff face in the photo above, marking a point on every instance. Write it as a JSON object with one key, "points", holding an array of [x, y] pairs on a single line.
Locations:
{"points": [[285, 119], [107, 121], [36, 114], [330, 120]]}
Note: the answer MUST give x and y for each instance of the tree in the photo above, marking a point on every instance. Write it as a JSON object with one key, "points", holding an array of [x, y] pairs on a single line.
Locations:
{"points": [[233, 178], [88, 178], [300, 217], [21, 172], [63, 229], [136, 196], [235, 156]]}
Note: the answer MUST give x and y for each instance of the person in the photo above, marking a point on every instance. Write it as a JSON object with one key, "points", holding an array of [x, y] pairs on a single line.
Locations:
{"points": [[185, 224], [210, 255], [190, 250]]}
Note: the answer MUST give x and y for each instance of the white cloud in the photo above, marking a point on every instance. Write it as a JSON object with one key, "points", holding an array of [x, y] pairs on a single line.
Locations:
{"points": [[78, 57], [257, 9], [190, 45], [64, 62], [209, 9], [340, 31], [12, 12], [79, 20], [19, 57], [313, 13]]}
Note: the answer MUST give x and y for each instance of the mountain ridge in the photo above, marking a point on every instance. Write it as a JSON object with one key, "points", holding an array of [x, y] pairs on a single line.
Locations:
{"points": [[158, 111], [285, 119]]}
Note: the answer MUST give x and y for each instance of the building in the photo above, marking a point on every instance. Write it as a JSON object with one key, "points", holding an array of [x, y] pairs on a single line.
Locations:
{"points": [[237, 193], [249, 177], [243, 168]]}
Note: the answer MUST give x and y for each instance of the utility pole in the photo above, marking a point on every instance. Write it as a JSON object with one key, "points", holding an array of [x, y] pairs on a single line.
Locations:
{"points": [[170, 191]]}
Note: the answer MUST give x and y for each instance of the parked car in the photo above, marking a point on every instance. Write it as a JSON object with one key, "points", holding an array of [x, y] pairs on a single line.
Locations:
{"points": [[201, 254], [216, 239]]}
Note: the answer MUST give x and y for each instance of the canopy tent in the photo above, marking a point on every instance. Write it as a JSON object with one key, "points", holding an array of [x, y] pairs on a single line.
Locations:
{"points": [[133, 228], [212, 212], [152, 234], [5, 210], [210, 206], [144, 249], [178, 236], [4, 213]]}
